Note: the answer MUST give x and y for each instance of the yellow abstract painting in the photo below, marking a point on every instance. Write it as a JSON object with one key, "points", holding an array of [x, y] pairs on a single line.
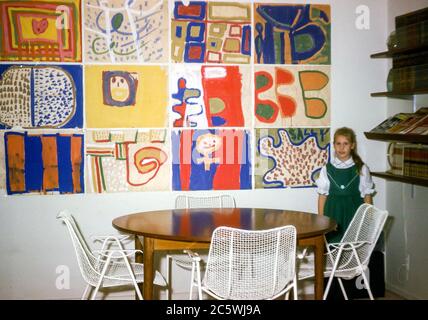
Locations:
{"points": [[126, 96]]}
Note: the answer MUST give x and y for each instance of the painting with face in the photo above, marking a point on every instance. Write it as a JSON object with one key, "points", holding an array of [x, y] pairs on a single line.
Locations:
{"points": [[211, 159], [126, 96], [120, 88]]}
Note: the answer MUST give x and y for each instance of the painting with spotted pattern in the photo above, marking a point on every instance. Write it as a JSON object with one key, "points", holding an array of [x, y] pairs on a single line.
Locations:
{"points": [[41, 96], [290, 157], [127, 160]]}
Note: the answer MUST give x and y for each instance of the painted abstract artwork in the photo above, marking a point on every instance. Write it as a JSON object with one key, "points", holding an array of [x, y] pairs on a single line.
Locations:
{"points": [[218, 32], [211, 159], [111, 96], [292, 96], [43, 30], [42, 163], [41, 96], [129, 96], [127, 160], [292, 33], [290, 157], [126, 31], [210, 96]]}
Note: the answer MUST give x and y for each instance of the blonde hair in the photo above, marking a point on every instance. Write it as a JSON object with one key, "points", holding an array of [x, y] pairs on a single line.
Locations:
{"points": [[349, 134]]}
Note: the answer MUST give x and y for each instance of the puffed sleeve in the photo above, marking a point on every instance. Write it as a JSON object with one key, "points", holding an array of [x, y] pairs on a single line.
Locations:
{"points": [[323, 184], [366, 183]]}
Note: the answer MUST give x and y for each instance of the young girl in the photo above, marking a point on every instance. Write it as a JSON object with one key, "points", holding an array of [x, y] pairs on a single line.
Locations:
{"points": [[344, 183]]}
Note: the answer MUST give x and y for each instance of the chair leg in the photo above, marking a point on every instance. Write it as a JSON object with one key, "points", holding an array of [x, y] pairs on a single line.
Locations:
{"points": [[192, 280], [198, 271], [367, 284], [84, 295], [168, 276], [342, 288], [103, 272], [132, 275], [295, 287], [332, 272]]}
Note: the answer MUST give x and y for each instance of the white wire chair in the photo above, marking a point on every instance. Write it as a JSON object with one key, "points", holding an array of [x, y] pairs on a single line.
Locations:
{"points": [[106, 267], [221, 201], [350, 257], [249, 265], [187, 202]]}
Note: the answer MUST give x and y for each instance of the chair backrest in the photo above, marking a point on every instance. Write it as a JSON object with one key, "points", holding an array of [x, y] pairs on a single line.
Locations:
{"points": [[245, 264], [186, 202], [86, 260], [366, 225]]}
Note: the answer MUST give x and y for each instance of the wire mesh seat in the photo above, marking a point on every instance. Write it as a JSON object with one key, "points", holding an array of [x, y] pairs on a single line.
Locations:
{"points": [[189, 202], [106, 267], [249, 265], [350, 257]]}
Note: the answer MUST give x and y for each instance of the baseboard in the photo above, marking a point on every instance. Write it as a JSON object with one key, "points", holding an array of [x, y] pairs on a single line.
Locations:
{"points": [[401, 292]]}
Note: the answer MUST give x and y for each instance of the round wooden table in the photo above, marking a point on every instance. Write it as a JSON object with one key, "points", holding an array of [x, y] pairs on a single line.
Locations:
{"points": [[178, 229]]}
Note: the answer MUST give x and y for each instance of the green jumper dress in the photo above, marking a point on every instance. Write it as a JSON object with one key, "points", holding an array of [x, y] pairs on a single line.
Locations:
{"points": [[343, 199]]}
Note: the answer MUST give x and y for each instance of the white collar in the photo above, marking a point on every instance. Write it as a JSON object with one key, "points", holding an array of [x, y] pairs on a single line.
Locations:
{"points": [[342, 164]]}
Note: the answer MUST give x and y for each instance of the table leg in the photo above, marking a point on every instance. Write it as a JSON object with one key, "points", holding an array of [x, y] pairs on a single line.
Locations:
{"points": [[148, 268], [138, 259], [319, 266]]}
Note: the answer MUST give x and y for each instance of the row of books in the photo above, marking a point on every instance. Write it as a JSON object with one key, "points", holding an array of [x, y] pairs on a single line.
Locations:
{"points": [[410, 36], [405, 123], [408, 160], [411, 30], [411, 18], [407, 79]]}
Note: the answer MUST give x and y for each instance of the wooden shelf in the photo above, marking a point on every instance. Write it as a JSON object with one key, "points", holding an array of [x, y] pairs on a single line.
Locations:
{"points": [[394, 53], [400, 94], [405, 179], [410, 138]]}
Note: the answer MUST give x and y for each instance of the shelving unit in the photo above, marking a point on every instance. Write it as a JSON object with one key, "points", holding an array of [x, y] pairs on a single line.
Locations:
{"points": [[395, 53], [409, 138], [420, 50], [394, 177], [400, 94]]}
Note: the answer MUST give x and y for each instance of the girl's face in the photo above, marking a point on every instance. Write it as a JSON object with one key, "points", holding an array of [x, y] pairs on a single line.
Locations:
{"points": [[343, 148]]}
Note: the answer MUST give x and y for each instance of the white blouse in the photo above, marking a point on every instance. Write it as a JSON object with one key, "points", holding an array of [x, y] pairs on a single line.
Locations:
{"points": [[366, 184]]}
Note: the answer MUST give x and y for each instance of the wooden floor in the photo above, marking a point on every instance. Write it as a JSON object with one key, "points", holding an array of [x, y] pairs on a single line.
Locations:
{"points": [[389, 295]]}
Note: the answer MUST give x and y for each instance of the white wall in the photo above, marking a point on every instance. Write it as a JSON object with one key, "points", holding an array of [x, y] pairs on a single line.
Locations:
{"points": [[407, 245], [33, 244]]}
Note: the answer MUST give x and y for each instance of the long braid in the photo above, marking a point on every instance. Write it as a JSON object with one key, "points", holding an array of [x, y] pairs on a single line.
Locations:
{"points": [[357, 159], [350, 135]]}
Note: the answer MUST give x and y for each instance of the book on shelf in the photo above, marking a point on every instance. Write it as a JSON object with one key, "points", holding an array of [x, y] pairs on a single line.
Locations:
{"points": [[396, 157], [408, 60], [423, 110], [408, 160], [408, 78], [421, 127], [415, 161], [410, 123], [413, 17], [391, 122], [405, 123]]}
